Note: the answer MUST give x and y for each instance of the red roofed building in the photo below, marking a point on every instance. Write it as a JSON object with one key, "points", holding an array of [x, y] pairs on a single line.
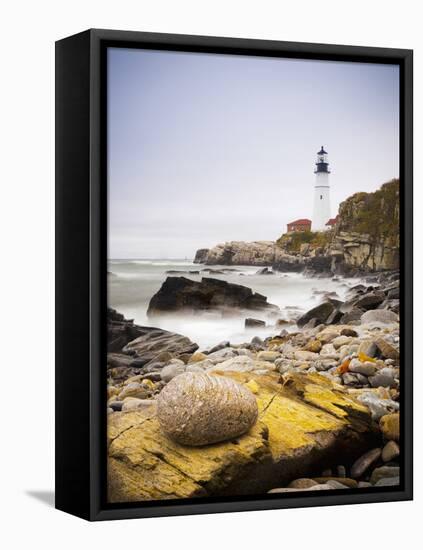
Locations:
{"points": [[299, 225], [332, 222]]}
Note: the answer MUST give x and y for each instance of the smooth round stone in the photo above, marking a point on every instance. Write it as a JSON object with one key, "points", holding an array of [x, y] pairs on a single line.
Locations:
{"points": [[390, 451], [199, 409], [364, 462]]}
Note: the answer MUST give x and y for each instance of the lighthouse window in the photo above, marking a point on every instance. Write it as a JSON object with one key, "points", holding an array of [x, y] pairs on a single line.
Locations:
{"points": [[321, 197]]}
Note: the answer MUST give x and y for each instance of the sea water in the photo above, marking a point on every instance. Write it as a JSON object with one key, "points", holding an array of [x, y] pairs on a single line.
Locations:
{"points": [[132, 283]]}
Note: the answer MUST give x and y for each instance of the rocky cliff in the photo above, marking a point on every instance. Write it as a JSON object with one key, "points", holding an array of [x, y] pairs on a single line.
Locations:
{"points": [[365, 238]]}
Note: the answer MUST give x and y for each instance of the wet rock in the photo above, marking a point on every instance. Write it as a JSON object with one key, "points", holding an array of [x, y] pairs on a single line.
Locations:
{"points": [[370, 301], [364, 462], [390, 451], [199, 409], [320, 313], [254, 323], [390, 426], [182, 294]]}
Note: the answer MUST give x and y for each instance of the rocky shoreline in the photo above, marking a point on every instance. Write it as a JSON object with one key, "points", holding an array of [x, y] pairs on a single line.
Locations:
{"points": [[318, 407], [364, 240]]}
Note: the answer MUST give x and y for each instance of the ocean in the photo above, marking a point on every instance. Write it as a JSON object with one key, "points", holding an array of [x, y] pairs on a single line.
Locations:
{"points": [[132, 283]]}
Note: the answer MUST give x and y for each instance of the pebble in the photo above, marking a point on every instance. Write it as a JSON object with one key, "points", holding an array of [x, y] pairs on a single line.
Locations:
{"points": [[384, 472], [378, 407], [387, 350], [387, 481], [390, 426], [341, 341], [351, 483], [133, 389], [368, 347], [367, 368], [390, 451], [364, 462], [197, 356], [341, 471], [383, 380], [349, 332], [302, 483], [270, 356], [132, 403]]}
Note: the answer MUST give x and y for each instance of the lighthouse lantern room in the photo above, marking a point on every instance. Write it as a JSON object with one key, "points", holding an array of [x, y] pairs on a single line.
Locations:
{"points": [[321, 208]]}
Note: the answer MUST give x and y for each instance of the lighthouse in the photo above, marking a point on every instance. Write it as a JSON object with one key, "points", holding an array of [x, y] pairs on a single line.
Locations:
{"points": [[321, 208]]}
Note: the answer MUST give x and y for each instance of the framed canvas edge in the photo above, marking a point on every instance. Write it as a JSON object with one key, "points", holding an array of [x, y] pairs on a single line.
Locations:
{"points": [[98, 283]]}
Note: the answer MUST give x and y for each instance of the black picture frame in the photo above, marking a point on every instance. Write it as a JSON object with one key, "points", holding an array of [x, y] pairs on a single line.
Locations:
{"points": [[81, 270]]}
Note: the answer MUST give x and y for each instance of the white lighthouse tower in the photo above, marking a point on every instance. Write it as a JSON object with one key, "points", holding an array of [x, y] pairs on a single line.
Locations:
{"points": [[321, 208]]}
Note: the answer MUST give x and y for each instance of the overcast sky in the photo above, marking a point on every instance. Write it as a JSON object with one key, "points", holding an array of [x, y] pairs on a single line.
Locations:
{"points": [[206, 148]]}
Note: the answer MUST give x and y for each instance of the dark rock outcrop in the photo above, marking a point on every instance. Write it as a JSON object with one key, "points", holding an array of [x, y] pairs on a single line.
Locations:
{"points": [[201, 255], [182, 294], [320, 313]]}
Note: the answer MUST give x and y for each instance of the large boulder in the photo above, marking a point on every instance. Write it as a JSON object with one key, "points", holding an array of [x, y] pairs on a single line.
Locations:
{"points": [[303, 421], [179, 293], [197, 409]]}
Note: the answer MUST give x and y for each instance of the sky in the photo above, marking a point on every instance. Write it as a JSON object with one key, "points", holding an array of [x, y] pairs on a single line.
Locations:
{"points": [[208, 148]]}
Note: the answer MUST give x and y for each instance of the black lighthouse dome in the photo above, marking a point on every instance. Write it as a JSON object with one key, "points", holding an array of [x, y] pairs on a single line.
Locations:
{"points": [[322, 164]]}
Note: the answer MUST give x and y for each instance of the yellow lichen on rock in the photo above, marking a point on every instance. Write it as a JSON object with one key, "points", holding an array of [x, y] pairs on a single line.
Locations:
{"points": [[299, 416]]}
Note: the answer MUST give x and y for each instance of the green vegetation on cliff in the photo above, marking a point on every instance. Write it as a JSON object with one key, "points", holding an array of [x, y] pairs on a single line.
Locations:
{"points": [[291, 242], [373, 214]]}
